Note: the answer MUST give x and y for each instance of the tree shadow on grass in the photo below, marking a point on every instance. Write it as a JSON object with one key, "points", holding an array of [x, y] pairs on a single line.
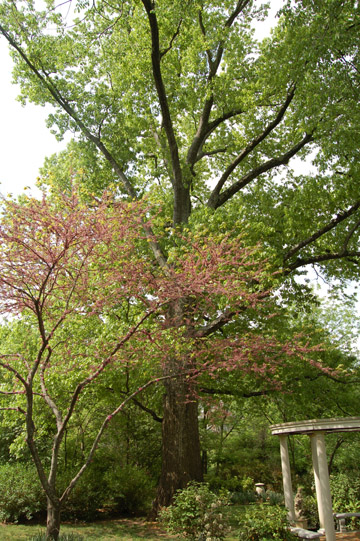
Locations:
{"points": [[104, 530], [124, 529]]}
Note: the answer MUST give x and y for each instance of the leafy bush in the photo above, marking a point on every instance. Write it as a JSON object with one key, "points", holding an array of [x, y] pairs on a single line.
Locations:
{"points": [[242, 490], [21, 495], [117, 489], [196, 514], [264, 522], [310, 510], [243, 498], [274, 498], [345, 492], [232, 483], [129, 489], [247, 484]]}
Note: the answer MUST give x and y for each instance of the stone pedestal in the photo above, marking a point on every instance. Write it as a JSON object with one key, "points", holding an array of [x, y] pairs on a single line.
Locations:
{"points": [[301, 523]]}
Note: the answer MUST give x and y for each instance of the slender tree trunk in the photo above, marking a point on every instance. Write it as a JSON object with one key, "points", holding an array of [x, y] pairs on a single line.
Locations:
{"points": [[220, 449], [53, 521], [181, 456]]}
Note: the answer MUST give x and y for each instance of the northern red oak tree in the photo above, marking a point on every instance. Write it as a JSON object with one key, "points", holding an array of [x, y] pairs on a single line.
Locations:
{"points": [[177, 100]]}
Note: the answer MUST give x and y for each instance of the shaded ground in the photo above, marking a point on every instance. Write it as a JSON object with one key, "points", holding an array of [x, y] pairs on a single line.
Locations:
{"points": [[348, 536], [124, 529], [109, 530]]}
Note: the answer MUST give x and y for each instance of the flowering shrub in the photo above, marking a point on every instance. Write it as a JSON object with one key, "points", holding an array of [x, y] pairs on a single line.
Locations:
{"points": [[196, 514]]}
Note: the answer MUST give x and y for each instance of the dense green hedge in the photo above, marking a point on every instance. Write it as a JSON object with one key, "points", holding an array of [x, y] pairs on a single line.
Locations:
{"points": [[21, 495], [114, 489]]}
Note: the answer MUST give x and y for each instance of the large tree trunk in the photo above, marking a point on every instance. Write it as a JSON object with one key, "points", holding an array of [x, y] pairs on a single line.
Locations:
{"points": [[53, 521], [181, 456]]}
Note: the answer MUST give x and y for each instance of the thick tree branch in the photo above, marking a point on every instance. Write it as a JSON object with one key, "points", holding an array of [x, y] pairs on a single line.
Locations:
{"points": [[165, 51], [211, 153], [30, 430], [204, 128], [328, 227], [182, 207], [19, 410], [141, 406], [321, 258], [253, 144], [12, 369], [232, 392], [240, 6], [349, 235], [213, 326], [151, 412], [45, 392], [203, 31], [218, 199]]}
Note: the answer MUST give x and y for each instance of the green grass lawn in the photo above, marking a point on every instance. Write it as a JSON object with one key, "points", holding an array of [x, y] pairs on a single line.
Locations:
{"points": [[107, 530], [110, 530], [123, 529]]}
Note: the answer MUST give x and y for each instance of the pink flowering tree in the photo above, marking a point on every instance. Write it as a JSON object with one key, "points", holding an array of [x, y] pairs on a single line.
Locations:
{"points": [[66, 266]]}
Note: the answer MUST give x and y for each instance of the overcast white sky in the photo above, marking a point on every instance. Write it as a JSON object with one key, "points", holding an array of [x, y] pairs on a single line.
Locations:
{"points": [[24, 138]]}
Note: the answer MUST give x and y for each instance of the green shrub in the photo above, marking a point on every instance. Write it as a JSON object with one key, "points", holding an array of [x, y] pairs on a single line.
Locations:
{"points": [[247, 484], [345, 492], [116, 489], [129, 489], [21, 495], [196, 514], [274, 498], [243, 498], [231, 483], [262, 522], [310, 510], [87, 496]]}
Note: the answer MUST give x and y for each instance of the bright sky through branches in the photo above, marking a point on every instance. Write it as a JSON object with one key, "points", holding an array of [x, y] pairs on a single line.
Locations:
{"points": [[25, 140]]}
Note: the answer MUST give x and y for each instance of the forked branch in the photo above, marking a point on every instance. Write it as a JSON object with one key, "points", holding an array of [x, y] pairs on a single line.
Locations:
{"points": [[339, 218], [106, 422], [217, 199]]}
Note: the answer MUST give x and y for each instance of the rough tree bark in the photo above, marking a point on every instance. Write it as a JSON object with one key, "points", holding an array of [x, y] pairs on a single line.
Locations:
{"points": [[181, 456], [53, 520]]}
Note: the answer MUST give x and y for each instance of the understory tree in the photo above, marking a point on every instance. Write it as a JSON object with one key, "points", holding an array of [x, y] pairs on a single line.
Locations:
{"points": [[179, 102], [81, 280], [236, 441]]}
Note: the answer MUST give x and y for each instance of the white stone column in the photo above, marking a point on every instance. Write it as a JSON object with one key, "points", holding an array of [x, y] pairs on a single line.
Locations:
{"points": [[322, 484], [286, 474], [317, 480]]}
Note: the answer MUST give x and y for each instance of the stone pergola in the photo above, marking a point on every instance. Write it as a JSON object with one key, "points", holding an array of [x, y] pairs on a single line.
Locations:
{"points": [[316, 430]]}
